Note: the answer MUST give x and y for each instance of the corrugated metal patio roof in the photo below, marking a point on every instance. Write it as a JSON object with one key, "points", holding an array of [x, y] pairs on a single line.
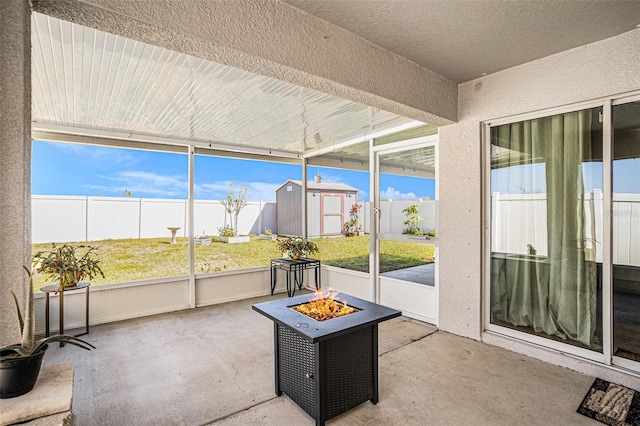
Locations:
{"points": [[90, 83]]}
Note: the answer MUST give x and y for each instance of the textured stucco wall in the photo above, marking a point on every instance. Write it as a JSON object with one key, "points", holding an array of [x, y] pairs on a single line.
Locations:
{"points": [[15, 159], [601, 69], [271, 38]]}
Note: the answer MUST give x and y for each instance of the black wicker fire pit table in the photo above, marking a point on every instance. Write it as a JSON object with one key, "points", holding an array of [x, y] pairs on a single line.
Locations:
{"points": [[326, 367]]}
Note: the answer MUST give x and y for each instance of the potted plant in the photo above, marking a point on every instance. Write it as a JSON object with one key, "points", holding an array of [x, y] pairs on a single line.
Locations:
{"points": [[20, 363], [66, 266], [351, 227], [297, 247], [229, 235], [413, 220], [268, 235]]}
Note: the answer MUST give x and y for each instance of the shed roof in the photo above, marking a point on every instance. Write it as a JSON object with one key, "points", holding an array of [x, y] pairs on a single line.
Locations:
{"points": [[322, 186]]}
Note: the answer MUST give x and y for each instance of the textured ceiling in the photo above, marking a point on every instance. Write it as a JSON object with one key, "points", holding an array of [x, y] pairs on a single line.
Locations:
{"points": [[462, 40]]}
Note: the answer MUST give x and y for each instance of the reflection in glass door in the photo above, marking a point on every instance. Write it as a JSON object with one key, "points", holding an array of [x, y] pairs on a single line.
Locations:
{"points": [[546, 207], [407, 230], [625, 232]]}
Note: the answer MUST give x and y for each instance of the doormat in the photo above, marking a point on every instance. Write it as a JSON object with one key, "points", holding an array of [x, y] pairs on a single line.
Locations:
{"points": [[611, 404]]}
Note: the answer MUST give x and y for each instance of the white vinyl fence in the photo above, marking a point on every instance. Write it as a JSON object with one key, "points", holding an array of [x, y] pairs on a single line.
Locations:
{"points": [[519, 220], [392, 217], [78, 218], [62, 218]]}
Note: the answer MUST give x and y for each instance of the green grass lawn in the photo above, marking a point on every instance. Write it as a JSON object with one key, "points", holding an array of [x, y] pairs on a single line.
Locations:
{"points": [[138, 259]]}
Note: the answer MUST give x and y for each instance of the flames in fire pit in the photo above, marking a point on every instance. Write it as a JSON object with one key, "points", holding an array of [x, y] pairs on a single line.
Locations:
{"points": [[325, 305]]}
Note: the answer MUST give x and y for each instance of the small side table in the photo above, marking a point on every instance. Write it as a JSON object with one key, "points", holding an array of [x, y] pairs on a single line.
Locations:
{"points": [[296, 268], [54, 289]]}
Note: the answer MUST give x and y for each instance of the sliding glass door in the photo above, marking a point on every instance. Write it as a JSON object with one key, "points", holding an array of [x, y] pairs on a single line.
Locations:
{"points": [[626, 233], [563, 231], [546, 196]]}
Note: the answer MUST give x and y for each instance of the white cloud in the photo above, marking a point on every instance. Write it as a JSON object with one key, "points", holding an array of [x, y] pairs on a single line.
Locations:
{"points": [[211, 191], [393, 194], [258, 191], [98, 156], [142, 184], [262, 191]]}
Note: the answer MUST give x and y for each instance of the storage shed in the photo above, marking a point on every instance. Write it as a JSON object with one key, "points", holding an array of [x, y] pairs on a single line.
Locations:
{"points": [[328, 205]]}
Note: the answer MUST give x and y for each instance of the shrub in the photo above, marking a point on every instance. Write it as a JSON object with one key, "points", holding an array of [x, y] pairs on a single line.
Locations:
{"points": [[413, 220], [226, 231]]}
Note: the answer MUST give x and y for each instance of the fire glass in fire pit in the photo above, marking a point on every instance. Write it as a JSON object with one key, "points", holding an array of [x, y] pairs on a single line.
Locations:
{"points": [[325, 305], [326, 367]]}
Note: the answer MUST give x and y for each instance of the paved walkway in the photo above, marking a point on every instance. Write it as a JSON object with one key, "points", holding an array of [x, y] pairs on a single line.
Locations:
{"points": [[423, 274], [214, 366]]}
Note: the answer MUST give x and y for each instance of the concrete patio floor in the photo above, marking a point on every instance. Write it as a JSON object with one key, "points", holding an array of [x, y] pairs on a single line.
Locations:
{"points": [[422, 274], [214, 366]]}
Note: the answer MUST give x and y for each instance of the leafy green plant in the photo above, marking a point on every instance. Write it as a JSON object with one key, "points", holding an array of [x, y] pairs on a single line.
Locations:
{"points": [[413, 220], [65, 266], [226, 231], [297, 247], [28, 345], [267, 231], [351, 226]]}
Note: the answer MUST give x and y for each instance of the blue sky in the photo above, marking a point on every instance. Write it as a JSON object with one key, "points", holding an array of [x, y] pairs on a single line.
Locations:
{"points": [[531, 178], [74, 169]]}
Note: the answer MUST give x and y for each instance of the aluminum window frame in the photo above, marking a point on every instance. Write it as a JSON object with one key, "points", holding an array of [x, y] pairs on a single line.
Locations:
{"points": [[487, 328]]}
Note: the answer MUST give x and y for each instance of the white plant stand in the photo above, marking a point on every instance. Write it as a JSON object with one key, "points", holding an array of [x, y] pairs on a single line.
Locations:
{"points": [[268, 237], [235, 240]]}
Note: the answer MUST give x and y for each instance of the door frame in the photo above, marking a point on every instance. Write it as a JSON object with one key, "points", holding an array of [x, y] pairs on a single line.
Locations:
{"points": [[374, 225], [605, 357]]}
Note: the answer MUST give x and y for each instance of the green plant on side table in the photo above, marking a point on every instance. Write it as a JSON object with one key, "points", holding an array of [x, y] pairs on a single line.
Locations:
{"points": [[296, 247], [67, 265], [20, 363]]}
